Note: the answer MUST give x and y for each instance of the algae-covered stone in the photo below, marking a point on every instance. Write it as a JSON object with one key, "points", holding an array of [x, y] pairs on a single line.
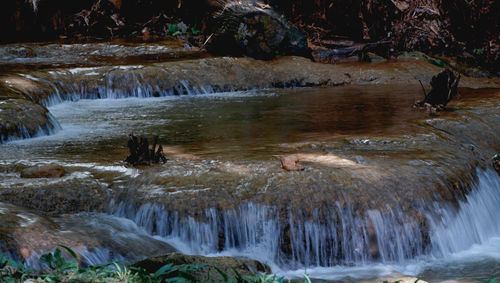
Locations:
{"points": [[228, 265]]}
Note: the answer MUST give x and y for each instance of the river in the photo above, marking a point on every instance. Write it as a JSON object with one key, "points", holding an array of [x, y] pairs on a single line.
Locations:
{"points": [[387, 190]]}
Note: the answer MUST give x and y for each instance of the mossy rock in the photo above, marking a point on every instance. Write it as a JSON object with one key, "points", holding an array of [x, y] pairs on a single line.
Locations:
{"points": [[228, 265]]}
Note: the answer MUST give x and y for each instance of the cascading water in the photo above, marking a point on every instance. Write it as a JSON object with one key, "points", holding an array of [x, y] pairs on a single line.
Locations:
{"points": [[338, 237], [51, 127], [475, 222], [115, 84]]}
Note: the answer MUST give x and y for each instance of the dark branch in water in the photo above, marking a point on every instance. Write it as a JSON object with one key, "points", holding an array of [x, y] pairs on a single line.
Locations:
{"points": [[423, 88], [444, 89], [141, 153]]}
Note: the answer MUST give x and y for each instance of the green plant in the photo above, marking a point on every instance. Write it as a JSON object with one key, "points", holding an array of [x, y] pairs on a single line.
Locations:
{"points": [[172, 29], [195, 31], [478, 51], [56, 262], [11, 271], [60, 269], [490, 280]]}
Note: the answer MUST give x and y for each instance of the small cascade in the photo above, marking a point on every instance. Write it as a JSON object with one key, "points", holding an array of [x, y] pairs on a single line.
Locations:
{"points": [[337, 235], [51, 127], [475, 221], [118, 86]]}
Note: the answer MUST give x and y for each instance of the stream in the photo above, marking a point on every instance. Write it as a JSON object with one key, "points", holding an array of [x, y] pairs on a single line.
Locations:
{"points": [[387, 191]]}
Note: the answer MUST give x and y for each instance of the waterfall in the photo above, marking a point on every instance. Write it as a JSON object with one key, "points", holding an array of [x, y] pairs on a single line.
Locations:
{"points": [[476, 220], [116, 86], [339, 236], [51, 127], [336, 235]]}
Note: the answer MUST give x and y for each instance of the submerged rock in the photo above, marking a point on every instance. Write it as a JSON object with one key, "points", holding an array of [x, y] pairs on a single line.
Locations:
{"points": [[228, 265], [47, 171]]}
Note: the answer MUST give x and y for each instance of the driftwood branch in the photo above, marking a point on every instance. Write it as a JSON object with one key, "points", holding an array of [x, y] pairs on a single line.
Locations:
{"points": [[423, 89]]}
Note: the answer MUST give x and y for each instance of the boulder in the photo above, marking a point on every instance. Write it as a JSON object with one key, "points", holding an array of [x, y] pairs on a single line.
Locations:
{"points": [[47, 171], [21, 118], [228, 265], [256, 31]]}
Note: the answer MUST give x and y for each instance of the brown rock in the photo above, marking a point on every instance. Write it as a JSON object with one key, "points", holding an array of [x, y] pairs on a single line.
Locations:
{"points": [[47, 171], [289, 163], [496, 163]]}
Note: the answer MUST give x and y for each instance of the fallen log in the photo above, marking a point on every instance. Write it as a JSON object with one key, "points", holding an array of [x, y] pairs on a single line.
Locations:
{"points": [[444, 89], [141, 153], [251, 29]]}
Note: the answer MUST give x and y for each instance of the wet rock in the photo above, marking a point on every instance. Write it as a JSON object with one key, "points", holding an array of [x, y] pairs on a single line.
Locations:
{"points": [[25, 235], [396, 279], [53, 196], [23, 52], [21, 118], [374, 58], [289, 163], [227, 265], [47, 171], [496, 162]]}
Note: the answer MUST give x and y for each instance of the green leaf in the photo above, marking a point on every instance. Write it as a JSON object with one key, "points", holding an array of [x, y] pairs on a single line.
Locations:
{"points": [[164, 270], [172, 28], [48, 260], [195, 31], [223, 274], [73, 254]]}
